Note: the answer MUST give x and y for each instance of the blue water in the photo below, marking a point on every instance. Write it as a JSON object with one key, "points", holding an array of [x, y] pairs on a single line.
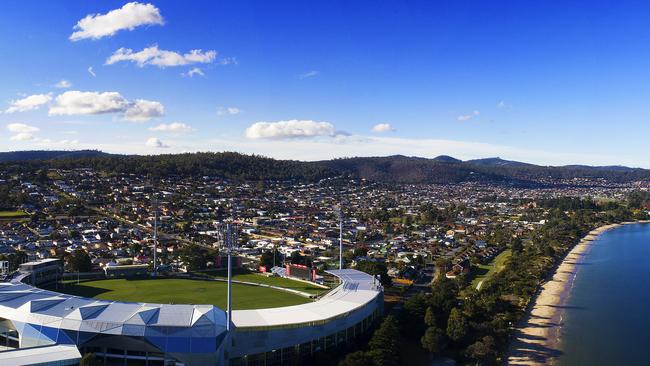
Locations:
{"points": [[607, 313]]}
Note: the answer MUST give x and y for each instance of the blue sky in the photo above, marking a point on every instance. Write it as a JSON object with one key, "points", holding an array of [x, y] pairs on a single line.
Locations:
{"points": [[545, 82]]}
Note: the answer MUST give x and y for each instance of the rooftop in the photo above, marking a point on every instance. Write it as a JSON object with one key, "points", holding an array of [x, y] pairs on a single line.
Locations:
{"points": [[39, 355], [356, 290]]}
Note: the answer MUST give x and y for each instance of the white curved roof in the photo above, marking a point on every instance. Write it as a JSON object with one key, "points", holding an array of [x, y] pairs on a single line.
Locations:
{"points": [[356, 290], [23, 302]]}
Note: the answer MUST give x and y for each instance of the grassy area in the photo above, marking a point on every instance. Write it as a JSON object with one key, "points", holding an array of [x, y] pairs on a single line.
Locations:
{"points": [[485, 271], [12, 214], [244, 275], [182, 291]]}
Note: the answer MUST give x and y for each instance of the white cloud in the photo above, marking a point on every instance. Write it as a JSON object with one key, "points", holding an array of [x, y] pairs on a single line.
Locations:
{"points": [[382, 127], [228, 61], [23, 136], [129, 16], [194, 71], [22, 131], [63, 84], [91, 71], [308, 74], [221, 111], [467, 117], [29, 103], [174, 127], [21, 128], [143, 110], [290, 129], [154, 56], [156, 143], [76, 102]]}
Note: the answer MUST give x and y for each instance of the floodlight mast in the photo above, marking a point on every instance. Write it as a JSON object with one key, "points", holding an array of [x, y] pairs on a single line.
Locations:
{"points": [[228, 237]]}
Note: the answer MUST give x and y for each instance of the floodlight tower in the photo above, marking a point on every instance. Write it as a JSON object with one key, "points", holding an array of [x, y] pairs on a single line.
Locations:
{"points": [[339, 214], [228, 237]]}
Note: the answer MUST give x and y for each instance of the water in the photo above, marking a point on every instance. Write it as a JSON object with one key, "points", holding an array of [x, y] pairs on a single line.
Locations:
{"points": [[607, 314]]}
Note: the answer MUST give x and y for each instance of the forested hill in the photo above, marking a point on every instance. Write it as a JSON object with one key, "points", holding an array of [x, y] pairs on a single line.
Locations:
{"points": [[449, 170], [225, 164], [13, 156], [389, 169]]}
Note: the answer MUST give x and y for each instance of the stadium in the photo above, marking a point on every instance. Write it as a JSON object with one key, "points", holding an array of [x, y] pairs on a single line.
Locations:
{"points": [[46, 327]]}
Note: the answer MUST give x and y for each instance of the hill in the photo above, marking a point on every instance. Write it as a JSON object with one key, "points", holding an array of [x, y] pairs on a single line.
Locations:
{"points": [[14, 156], [387, 169]]}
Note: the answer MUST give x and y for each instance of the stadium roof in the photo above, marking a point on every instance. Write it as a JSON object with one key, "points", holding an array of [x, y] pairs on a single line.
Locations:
{"points": [[356, 290], [19, 301], [40, 355], [23, 302]]}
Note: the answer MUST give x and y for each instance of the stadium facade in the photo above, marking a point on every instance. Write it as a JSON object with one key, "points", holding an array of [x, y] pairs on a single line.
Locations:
{"points": [[122, 333]]}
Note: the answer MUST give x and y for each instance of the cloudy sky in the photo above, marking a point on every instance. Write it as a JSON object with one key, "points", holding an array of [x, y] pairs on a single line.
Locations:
{"points": [[546, 82]]}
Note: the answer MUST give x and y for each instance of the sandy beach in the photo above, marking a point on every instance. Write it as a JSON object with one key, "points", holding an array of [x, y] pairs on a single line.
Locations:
{"points": [[536, 340]]}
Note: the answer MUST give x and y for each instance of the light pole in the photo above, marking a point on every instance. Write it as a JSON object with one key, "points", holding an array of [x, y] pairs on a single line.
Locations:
{"points": [[228, 238]]}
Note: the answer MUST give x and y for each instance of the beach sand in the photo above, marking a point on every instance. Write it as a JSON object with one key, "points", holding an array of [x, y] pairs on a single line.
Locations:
{"points": [[536, 340]]}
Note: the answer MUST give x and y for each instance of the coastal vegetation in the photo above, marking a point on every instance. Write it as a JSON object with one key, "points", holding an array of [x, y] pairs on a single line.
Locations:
{"points": [[474, 327]]}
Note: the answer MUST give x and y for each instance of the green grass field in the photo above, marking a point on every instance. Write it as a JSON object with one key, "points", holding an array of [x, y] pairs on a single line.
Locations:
{"points": [[243, 275], [485, 271], [182, 291]]}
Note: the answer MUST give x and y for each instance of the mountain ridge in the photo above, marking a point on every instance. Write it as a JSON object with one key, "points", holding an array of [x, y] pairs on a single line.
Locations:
{"points": [[442, 169]]}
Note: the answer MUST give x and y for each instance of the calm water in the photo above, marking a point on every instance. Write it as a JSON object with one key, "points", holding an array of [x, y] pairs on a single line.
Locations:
{"points": [[607, 315]]}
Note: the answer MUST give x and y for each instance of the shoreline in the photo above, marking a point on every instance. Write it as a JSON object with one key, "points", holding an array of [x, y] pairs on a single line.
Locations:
{"points": [[537, 337]]}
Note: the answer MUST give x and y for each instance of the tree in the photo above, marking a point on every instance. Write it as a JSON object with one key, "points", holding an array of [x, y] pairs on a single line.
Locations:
{"points": [[413, 315], [79, 261], [360, 252], [358, 358], [457, 326], [443, 294], [376, 268], [266, 259], [297, 258], [434, 340], [429, 318], [517, 245], [16, 259], [484, 351], [385, 343], [194, 256]]}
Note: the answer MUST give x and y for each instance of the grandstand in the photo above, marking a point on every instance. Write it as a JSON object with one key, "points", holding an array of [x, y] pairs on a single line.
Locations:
{"points": [[163, 334]]}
